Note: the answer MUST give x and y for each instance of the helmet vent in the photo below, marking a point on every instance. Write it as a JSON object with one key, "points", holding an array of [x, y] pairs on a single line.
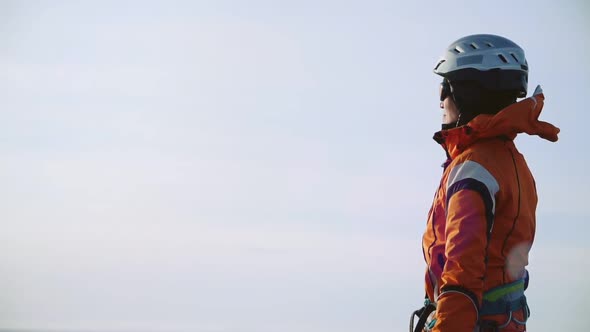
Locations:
{"points": [[515, 58], [489, 44], [473, 46], [502, 58], [456, 50], [439, 63]]}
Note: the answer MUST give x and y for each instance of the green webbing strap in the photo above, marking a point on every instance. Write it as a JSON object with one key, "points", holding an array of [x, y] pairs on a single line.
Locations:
{"points": [[495, 294], [503, 299]]}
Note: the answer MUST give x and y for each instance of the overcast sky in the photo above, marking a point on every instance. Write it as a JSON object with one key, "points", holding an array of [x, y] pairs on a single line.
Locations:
{"points": [[255, 166]]}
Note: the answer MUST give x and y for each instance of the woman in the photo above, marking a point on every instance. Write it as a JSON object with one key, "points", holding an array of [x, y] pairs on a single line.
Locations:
{"points": [[482, 222]]}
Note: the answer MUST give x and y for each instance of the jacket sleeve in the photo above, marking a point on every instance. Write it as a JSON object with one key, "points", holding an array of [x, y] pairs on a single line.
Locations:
{"points": [[470, 193]]}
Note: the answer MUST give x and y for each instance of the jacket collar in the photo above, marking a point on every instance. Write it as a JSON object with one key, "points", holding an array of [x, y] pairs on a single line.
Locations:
{"points": [[520, 117]]}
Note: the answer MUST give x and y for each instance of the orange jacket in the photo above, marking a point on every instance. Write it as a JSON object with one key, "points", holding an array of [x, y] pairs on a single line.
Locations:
{"points": [[482, 221]]}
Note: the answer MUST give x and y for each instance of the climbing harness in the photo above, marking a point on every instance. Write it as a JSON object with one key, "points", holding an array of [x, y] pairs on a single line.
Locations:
{"points": [[501, 300]]}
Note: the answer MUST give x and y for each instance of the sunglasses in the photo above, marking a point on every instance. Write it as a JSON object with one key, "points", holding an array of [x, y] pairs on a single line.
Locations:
{"points": [[445, 90]]}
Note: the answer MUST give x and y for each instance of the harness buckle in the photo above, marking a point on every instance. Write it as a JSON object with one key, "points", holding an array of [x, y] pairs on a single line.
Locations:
{"points": [[423, 314]]}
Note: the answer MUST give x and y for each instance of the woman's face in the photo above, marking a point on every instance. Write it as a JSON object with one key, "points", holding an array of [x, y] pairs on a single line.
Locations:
{"points": [[450, 111]]}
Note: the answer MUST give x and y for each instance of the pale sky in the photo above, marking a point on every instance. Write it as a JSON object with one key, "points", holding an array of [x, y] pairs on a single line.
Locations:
{"points": [[256, 166]]}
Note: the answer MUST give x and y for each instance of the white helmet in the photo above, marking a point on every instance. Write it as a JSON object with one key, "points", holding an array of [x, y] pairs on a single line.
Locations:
{"points": [[495, 62]]}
